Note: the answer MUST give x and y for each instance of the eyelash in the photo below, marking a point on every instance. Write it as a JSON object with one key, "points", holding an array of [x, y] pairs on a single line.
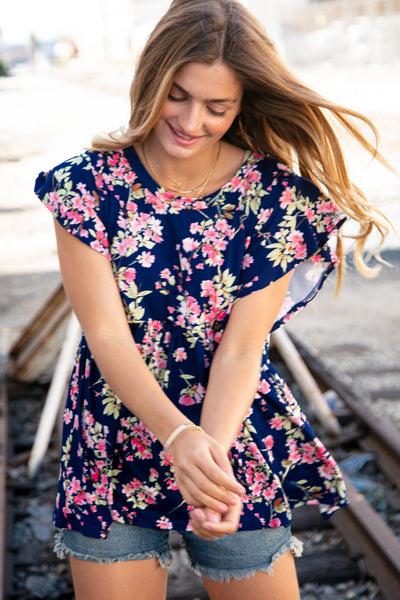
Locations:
{"points": [[212, 111]]}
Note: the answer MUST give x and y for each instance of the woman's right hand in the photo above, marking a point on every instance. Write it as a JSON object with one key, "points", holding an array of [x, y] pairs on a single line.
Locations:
{"points": [[210, 525], [203, 472]]}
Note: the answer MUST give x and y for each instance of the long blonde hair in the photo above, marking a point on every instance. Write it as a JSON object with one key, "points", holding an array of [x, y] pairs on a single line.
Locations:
{"points": [[280, 116]]}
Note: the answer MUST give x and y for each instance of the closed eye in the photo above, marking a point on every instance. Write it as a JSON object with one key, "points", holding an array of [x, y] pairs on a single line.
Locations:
{"points": [[216, 112], [175, 99]]}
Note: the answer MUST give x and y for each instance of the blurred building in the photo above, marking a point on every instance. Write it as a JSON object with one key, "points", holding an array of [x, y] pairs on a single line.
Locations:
{"points": [[305, 31]]}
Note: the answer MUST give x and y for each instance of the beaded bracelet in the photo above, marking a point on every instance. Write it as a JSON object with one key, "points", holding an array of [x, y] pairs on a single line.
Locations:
{"points": [[177, 431]]}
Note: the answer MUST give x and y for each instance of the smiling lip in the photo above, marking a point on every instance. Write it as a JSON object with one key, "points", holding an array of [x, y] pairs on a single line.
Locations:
{"points": [[181, 138]]}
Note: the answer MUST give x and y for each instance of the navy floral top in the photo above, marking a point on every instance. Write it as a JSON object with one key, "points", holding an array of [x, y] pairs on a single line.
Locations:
{"points": [[180, 264]]}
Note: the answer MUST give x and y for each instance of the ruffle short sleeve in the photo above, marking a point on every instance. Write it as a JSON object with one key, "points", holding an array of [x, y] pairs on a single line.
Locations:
{"points": [[294, 222], [69, 191]]}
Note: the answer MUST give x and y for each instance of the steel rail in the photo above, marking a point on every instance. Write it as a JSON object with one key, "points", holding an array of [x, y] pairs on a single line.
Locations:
{"points": [[380, 437], [368, 535], [360, 525]]}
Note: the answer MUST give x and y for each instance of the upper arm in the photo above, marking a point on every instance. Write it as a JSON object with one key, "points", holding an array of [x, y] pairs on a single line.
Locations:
{"points": [[252, 318], [91, 287]]}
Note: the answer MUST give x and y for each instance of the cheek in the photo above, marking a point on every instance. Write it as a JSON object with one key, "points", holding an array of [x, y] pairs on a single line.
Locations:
{"points": [[220, 128]]}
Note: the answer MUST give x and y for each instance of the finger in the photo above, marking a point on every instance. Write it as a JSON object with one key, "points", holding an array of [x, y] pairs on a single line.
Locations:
{"points": [[214, 464], [199, 490], [222, 473], [228, 523]]}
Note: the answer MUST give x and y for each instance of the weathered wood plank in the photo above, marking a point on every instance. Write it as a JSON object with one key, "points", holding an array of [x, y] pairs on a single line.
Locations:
{"points": [[34, 353]]}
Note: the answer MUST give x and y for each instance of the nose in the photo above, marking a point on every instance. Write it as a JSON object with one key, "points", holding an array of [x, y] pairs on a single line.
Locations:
{"points": [[191, 118]]}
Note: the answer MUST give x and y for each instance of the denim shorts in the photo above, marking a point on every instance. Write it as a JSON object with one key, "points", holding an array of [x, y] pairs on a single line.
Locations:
{"points": [[235, 556]]}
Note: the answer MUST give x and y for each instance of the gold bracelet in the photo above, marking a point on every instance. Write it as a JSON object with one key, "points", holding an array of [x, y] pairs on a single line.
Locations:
{"points": [[177, 431]]}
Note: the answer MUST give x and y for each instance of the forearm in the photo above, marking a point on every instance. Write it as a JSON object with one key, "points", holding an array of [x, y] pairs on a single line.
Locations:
{"points": [[230, 392], [125, 371]]}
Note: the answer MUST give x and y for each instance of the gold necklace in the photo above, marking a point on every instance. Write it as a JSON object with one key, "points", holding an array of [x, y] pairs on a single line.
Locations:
{"points": [[197, 189]]}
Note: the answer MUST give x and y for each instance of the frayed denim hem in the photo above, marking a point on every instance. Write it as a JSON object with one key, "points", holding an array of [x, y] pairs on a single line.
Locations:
{"points": [[62, 551], [221, 576]]}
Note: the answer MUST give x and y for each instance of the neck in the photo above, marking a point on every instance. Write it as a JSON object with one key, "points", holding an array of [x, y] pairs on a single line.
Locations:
{"points": [[183, 176]]}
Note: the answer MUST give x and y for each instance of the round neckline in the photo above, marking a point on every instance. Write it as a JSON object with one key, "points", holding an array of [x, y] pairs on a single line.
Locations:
{"points": [[153, 186]]}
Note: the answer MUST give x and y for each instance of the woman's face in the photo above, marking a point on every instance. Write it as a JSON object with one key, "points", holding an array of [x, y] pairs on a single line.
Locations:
{"points": [[201, 106]]}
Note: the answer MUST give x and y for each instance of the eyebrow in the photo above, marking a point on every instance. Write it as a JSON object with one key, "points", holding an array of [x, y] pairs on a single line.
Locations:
{"points": [[211, 100]]}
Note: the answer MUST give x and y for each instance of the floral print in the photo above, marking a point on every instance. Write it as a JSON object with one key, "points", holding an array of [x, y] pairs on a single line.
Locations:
{"points": [[180, 264]]}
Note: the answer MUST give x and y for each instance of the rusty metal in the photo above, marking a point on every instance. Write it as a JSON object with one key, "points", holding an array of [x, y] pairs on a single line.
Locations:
{"points": [[369, 536], [380, 437], [35, 352]]}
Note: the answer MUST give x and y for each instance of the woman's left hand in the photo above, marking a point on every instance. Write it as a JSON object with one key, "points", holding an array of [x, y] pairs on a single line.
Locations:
{"points": [[211, 525]]}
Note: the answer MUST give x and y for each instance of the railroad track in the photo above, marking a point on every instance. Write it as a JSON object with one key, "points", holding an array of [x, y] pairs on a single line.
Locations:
{"points": [[359, 544]]}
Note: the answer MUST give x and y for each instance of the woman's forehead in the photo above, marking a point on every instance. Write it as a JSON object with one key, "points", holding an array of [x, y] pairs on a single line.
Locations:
{"points": [[215, 82]]}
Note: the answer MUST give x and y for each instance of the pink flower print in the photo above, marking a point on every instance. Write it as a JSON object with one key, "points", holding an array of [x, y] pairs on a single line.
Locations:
{"points": [[189, 244], [153, 474], [269, 493], [264, 387], [207, 288], [222, 226], [218, 337], [185, 265], [101, 447], [326, 206], [53, 201], [269, 442], [180, 320], [200, 205], [196, 228], [308, 453], [236, 181], [316, 258], [164, 523], [216, 259], [130, 275], [294, 454], [309, 213], [131, 206], [286, 198], [255, 452], [319, 449], [220, 244], [165, 274], [180, 354], [129, 177], [253, 175], [296, 239], [121, 437], [146, 259], [326, 470], [210, 233], [275, 522], [256, 488], [88, 419], [264, 215], [186, 400], [68, 414], [74, 486]]}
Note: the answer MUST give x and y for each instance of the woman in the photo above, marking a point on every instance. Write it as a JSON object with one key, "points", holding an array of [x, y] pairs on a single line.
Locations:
{"points": [[198, 240]]}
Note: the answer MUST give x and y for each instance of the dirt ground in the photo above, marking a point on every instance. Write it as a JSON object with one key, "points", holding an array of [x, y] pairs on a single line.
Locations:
{"points": [[50, 114]]}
